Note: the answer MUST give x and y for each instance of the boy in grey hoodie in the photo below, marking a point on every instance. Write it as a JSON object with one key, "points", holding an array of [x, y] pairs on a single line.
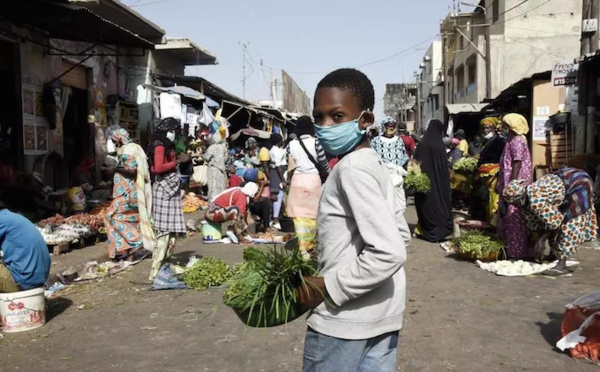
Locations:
{"points": [[359, 299]]}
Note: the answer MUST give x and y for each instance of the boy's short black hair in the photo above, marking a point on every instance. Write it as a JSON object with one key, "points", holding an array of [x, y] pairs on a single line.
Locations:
{"points": [[353, 80]]}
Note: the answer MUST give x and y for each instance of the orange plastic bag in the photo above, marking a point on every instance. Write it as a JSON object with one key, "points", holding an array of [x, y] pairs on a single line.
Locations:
{"points": [[580, 328]]}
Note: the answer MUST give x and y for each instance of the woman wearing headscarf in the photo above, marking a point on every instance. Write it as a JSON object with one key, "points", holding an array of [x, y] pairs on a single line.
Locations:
{"points": [[305, 188], [390, 147], [484, 199], [463, 144], [392, 151], [232, 205], [167, 210], [216, 156], [434, 208], [128, 220], [560, 208], [515, 164]]}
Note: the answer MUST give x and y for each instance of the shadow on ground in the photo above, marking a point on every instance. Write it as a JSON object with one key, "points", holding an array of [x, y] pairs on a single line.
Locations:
{"points": [[551, 330], [57, 306]]}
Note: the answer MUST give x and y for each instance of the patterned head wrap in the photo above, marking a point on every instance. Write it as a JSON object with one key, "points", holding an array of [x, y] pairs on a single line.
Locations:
{"points": [[388, 121], [517, 123], [491, 121], [167, 125], [514, 191], [121, 135]]}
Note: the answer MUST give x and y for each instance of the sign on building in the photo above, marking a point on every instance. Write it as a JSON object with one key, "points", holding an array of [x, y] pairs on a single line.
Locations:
{"points": [[294, 98], [564, 73]]}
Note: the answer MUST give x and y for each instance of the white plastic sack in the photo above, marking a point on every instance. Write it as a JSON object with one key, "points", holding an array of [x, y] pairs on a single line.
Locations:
{"points": [[200, 174], [206, 116], [170, 106], [574, 338]]}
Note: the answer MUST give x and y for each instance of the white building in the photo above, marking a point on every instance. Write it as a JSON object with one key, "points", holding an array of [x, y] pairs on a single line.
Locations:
{"points": [[431, 84]]}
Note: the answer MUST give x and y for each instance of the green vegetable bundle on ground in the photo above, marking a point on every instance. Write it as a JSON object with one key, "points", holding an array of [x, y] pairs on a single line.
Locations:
{"points": [[465, 165], [206, 272], [415, 179], [479, 246], [263, 290]]}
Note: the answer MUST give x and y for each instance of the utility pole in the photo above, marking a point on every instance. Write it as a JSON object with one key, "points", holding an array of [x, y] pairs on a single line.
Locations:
{"points": [[585, 137], [419, 119], [445, 68], [244, 49]]}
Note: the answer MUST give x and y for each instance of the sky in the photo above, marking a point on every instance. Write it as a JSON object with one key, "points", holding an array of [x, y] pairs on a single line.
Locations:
{"points": [[386, 39]]}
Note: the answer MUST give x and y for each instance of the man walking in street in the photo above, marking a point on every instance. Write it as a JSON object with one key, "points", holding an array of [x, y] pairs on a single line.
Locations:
{"points": [[359, 300]]}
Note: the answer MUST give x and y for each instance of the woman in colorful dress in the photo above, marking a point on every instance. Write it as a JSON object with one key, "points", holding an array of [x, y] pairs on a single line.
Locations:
{"points": [[232, 205], [128, 221], [390, 147], [560, 208], [167, 209], [216, 156], [515, 164], [305, 188]]}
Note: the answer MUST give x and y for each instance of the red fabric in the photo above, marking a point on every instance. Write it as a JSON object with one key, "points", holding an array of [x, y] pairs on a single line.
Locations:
{"points": [[162, 163], [333, 162], [409, 143], [234, 180], [239, 200]]}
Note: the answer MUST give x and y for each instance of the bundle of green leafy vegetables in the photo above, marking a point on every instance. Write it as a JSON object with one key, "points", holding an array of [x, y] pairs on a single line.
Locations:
{"points": [[417, 181], [263, 289], [465, 165], [478, 245], [206, 272]]}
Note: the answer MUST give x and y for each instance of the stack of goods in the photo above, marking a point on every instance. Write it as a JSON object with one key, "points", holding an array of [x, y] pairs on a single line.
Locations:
{"points": [[191, 203], [474, 245], [262, 291], [64, 234], [416, 180], [59, 230], [465, 170]]}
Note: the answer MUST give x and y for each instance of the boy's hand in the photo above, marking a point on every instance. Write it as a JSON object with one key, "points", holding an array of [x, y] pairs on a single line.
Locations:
{"points": [[311, 293]]}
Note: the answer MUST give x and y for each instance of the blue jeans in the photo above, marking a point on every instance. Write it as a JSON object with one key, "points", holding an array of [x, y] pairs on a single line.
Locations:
{"points": [[330, 354]]}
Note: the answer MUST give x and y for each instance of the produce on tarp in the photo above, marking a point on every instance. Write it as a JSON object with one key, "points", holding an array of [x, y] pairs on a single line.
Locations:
{"points": [[262, 292], [191, 203], [415, 179], [580, 328], [205, 273], [476, 245]]}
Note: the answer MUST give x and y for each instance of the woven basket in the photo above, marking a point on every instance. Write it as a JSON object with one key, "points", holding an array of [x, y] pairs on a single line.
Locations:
{"points": [[251, 319]]}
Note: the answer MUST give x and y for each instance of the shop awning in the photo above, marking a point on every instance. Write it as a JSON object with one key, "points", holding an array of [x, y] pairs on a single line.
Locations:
{"points": [[70, 22], [202, 85], [250, 132], [186, 51], [184, 91], [460, 108], [121, 14]]}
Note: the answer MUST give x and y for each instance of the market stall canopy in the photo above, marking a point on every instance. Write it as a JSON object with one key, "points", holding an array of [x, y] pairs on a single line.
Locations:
{"points": [[121, 14], [517, 92], [186, 51], [71, 22], [464, 108], [200, 84], [250, 132], [181, 90], [240, 115]]}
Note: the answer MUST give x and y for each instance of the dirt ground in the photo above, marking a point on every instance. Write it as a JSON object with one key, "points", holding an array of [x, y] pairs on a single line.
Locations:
{"points": [[458, 318]]}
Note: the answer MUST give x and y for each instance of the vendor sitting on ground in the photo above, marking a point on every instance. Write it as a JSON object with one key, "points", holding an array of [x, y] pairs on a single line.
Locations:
{"points": [[560, 207], [261, 204], [232, 205], [26, 261]]}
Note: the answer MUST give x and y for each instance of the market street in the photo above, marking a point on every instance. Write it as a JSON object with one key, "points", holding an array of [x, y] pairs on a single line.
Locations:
{"points": [[458, 318]]}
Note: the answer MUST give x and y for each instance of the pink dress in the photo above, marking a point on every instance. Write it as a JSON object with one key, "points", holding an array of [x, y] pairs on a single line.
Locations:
{"points": [[512, 228]]}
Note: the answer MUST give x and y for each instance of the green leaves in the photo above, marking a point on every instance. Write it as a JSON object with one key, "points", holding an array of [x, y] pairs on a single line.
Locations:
{"points": [[417, 181], [207, 272], [465, 165], [478, 245]]}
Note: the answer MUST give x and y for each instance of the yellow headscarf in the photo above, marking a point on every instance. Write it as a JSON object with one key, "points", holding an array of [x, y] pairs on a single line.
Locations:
{"points": [[490, 121], [517, 123]]}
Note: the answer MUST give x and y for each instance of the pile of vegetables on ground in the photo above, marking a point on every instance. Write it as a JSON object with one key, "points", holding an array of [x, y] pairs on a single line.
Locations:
{"points": [[263, 289], [478, 246], [465, 165], [191, 203], [415, 179], [205, 273]]}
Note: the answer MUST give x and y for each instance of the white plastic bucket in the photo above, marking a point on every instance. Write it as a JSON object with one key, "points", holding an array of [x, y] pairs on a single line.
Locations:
{"points": [[22, 311]]}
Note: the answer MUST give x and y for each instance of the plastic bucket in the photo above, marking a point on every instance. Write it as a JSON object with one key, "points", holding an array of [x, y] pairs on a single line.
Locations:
{"points": [[211, 230], [23, 311]]}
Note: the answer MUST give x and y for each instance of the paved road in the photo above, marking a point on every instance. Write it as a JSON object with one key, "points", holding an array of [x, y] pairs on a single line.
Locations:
{"points": [[458, 318]]}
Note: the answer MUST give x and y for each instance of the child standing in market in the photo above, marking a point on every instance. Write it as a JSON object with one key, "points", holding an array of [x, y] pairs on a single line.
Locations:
{"points": [[359, 299]]}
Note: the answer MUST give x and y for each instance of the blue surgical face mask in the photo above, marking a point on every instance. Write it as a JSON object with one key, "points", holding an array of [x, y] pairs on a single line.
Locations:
{"points": [[340, 139]]}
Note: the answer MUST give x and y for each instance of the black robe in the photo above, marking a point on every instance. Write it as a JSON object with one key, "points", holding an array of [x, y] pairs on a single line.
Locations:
{"points": [[435, 207]]}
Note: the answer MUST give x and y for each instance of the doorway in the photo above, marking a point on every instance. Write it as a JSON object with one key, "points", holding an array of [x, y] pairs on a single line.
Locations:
{"points": [[76, 130]]}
